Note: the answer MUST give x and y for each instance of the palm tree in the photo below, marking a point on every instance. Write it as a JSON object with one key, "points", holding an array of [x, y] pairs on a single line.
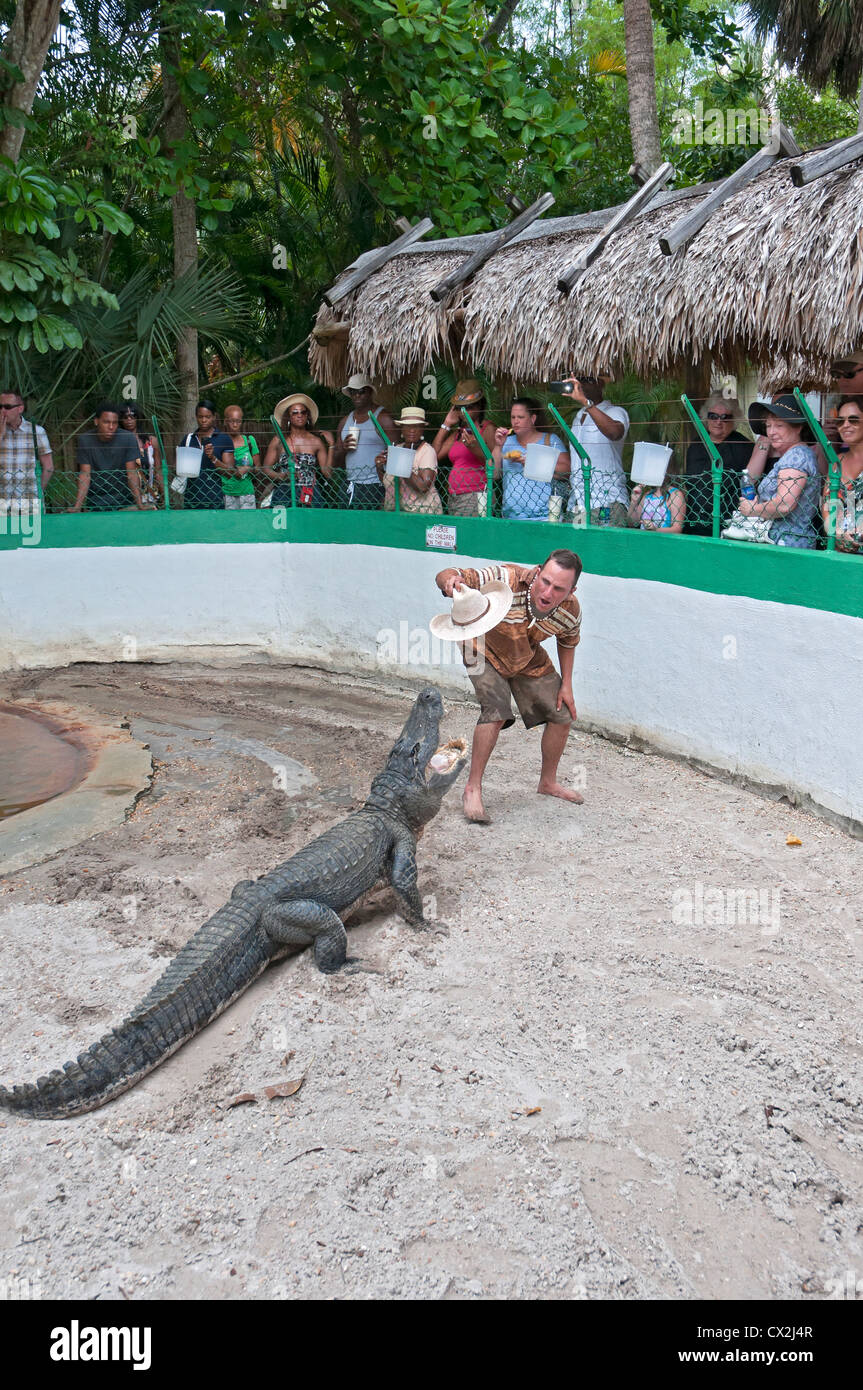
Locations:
{"points": [[641, 85], [822, 39]]}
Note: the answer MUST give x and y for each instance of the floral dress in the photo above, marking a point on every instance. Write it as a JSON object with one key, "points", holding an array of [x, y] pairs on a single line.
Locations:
{"points": [[797, 529], [305, 480]]}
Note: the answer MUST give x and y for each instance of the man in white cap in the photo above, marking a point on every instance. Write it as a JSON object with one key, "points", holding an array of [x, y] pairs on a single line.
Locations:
{"points": [[538, 603], [358, 444]]}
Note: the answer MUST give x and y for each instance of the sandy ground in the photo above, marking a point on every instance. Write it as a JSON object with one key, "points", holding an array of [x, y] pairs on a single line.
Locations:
{"points": [[599, 1077]]}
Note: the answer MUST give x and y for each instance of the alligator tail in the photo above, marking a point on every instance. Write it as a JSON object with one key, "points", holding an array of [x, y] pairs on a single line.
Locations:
{"points": [[215, 966]]}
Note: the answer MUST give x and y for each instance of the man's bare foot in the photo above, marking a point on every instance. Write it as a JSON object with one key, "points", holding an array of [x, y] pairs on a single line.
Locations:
{"points": [[473, 808], [565, 793]]}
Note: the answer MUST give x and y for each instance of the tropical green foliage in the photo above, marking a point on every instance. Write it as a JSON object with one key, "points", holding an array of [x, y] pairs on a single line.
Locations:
{"points": [[309, 128], [39, 283], [822, 39]]}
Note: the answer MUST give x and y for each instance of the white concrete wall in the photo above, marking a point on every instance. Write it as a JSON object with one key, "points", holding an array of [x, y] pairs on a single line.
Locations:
{"points": [[765, 690]]}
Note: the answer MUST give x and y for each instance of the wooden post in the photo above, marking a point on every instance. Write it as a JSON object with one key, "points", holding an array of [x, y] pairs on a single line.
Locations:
{"points": [[683, 231], [331, 332], [827, 161], [444, 288], [630, 209], [375, 261]]}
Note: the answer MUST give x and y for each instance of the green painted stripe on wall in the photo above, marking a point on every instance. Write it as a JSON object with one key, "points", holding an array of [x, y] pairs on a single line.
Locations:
{"points": [[812, 579]]}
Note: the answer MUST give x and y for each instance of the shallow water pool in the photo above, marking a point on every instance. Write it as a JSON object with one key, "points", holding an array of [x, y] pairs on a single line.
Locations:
{"points": [[35, 763]]}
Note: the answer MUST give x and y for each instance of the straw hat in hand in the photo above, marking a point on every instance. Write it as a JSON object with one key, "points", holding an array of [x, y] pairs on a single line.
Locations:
{"points": [[474, 611]]}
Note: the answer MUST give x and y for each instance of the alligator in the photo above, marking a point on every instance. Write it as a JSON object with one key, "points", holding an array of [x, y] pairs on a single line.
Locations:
{"points": [[300, 903]]}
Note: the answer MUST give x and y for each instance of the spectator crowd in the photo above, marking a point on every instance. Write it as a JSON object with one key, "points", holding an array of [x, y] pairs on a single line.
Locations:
{"points": [[774, 487]]}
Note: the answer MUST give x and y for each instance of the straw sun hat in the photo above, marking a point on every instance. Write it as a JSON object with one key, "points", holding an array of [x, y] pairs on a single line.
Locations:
{"points": [[297, 399], [412, 415], [474, 611]]}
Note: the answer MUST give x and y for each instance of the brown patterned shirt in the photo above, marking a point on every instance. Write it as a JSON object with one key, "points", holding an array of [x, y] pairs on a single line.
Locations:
{"points": [[513, 647]]}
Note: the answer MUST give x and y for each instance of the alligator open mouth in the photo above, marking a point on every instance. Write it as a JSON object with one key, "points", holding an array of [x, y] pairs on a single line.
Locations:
{"points": [[446, 756]]}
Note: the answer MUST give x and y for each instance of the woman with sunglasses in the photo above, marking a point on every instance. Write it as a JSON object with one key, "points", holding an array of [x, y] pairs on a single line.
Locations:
{"points": [[720, 417], [150, 472], [849, 508], [297, 415]]}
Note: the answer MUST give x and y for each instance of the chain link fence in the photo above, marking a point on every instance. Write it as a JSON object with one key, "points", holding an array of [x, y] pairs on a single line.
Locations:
{"points": [[685, 503]]}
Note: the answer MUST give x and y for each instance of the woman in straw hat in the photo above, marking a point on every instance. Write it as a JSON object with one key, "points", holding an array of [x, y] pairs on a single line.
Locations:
{"points": [[418, 492], [296, 415], [514, 610], [456, 441]]}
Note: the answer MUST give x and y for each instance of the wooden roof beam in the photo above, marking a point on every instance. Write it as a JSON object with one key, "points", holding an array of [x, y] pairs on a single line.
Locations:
{"points": [[378, 258], [781, 142], [827, 161], [491, 244], [332, 332], [637, 203]]}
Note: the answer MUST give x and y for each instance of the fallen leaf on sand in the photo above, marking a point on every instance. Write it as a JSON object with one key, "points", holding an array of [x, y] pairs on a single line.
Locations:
{"points": [[534, 1110], [242, 1099], [793, 840], [283, 1088]]}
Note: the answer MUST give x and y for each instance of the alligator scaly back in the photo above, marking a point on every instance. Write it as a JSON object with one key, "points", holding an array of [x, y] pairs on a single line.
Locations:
{"points": [[217, 964], [297, 904]]}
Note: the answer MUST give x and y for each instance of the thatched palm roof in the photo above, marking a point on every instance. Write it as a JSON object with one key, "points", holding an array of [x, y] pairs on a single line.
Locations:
{"points": [[776, 277]]}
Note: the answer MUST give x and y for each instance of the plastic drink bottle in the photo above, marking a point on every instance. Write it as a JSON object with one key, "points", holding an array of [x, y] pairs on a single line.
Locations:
{"points": [[747, 488]]}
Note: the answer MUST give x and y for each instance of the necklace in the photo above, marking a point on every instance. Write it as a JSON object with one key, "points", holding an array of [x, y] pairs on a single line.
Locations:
{"points": [[530, 608]]}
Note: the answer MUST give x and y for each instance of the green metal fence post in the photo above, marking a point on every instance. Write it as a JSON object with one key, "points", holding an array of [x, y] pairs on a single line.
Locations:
{"points": [[716, 467], [292, 463], [387, 442], [835, 467], [586, 465], [165, 488], [489, 463]]}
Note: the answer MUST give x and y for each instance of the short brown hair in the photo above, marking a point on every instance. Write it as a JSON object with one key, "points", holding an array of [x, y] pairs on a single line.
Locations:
{"points": [[567, 559]]}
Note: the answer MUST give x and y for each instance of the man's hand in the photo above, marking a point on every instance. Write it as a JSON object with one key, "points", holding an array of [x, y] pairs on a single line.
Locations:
{"points": [[566, 697], [447, 581], [577, 392]]}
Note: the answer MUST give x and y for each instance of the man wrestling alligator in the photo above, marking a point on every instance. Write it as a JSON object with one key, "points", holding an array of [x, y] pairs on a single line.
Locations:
{"points": [[523, 607]]}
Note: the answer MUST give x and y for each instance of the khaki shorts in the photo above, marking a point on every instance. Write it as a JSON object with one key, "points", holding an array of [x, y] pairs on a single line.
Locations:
{"points": [[535, 696]]}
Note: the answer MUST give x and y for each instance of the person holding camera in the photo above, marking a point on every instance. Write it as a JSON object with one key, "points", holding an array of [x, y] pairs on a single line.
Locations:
{"points": [[600, 428]]}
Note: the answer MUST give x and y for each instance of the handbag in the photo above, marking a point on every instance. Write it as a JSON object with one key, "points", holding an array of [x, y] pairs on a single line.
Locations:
{"points": [[747, 528]]}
